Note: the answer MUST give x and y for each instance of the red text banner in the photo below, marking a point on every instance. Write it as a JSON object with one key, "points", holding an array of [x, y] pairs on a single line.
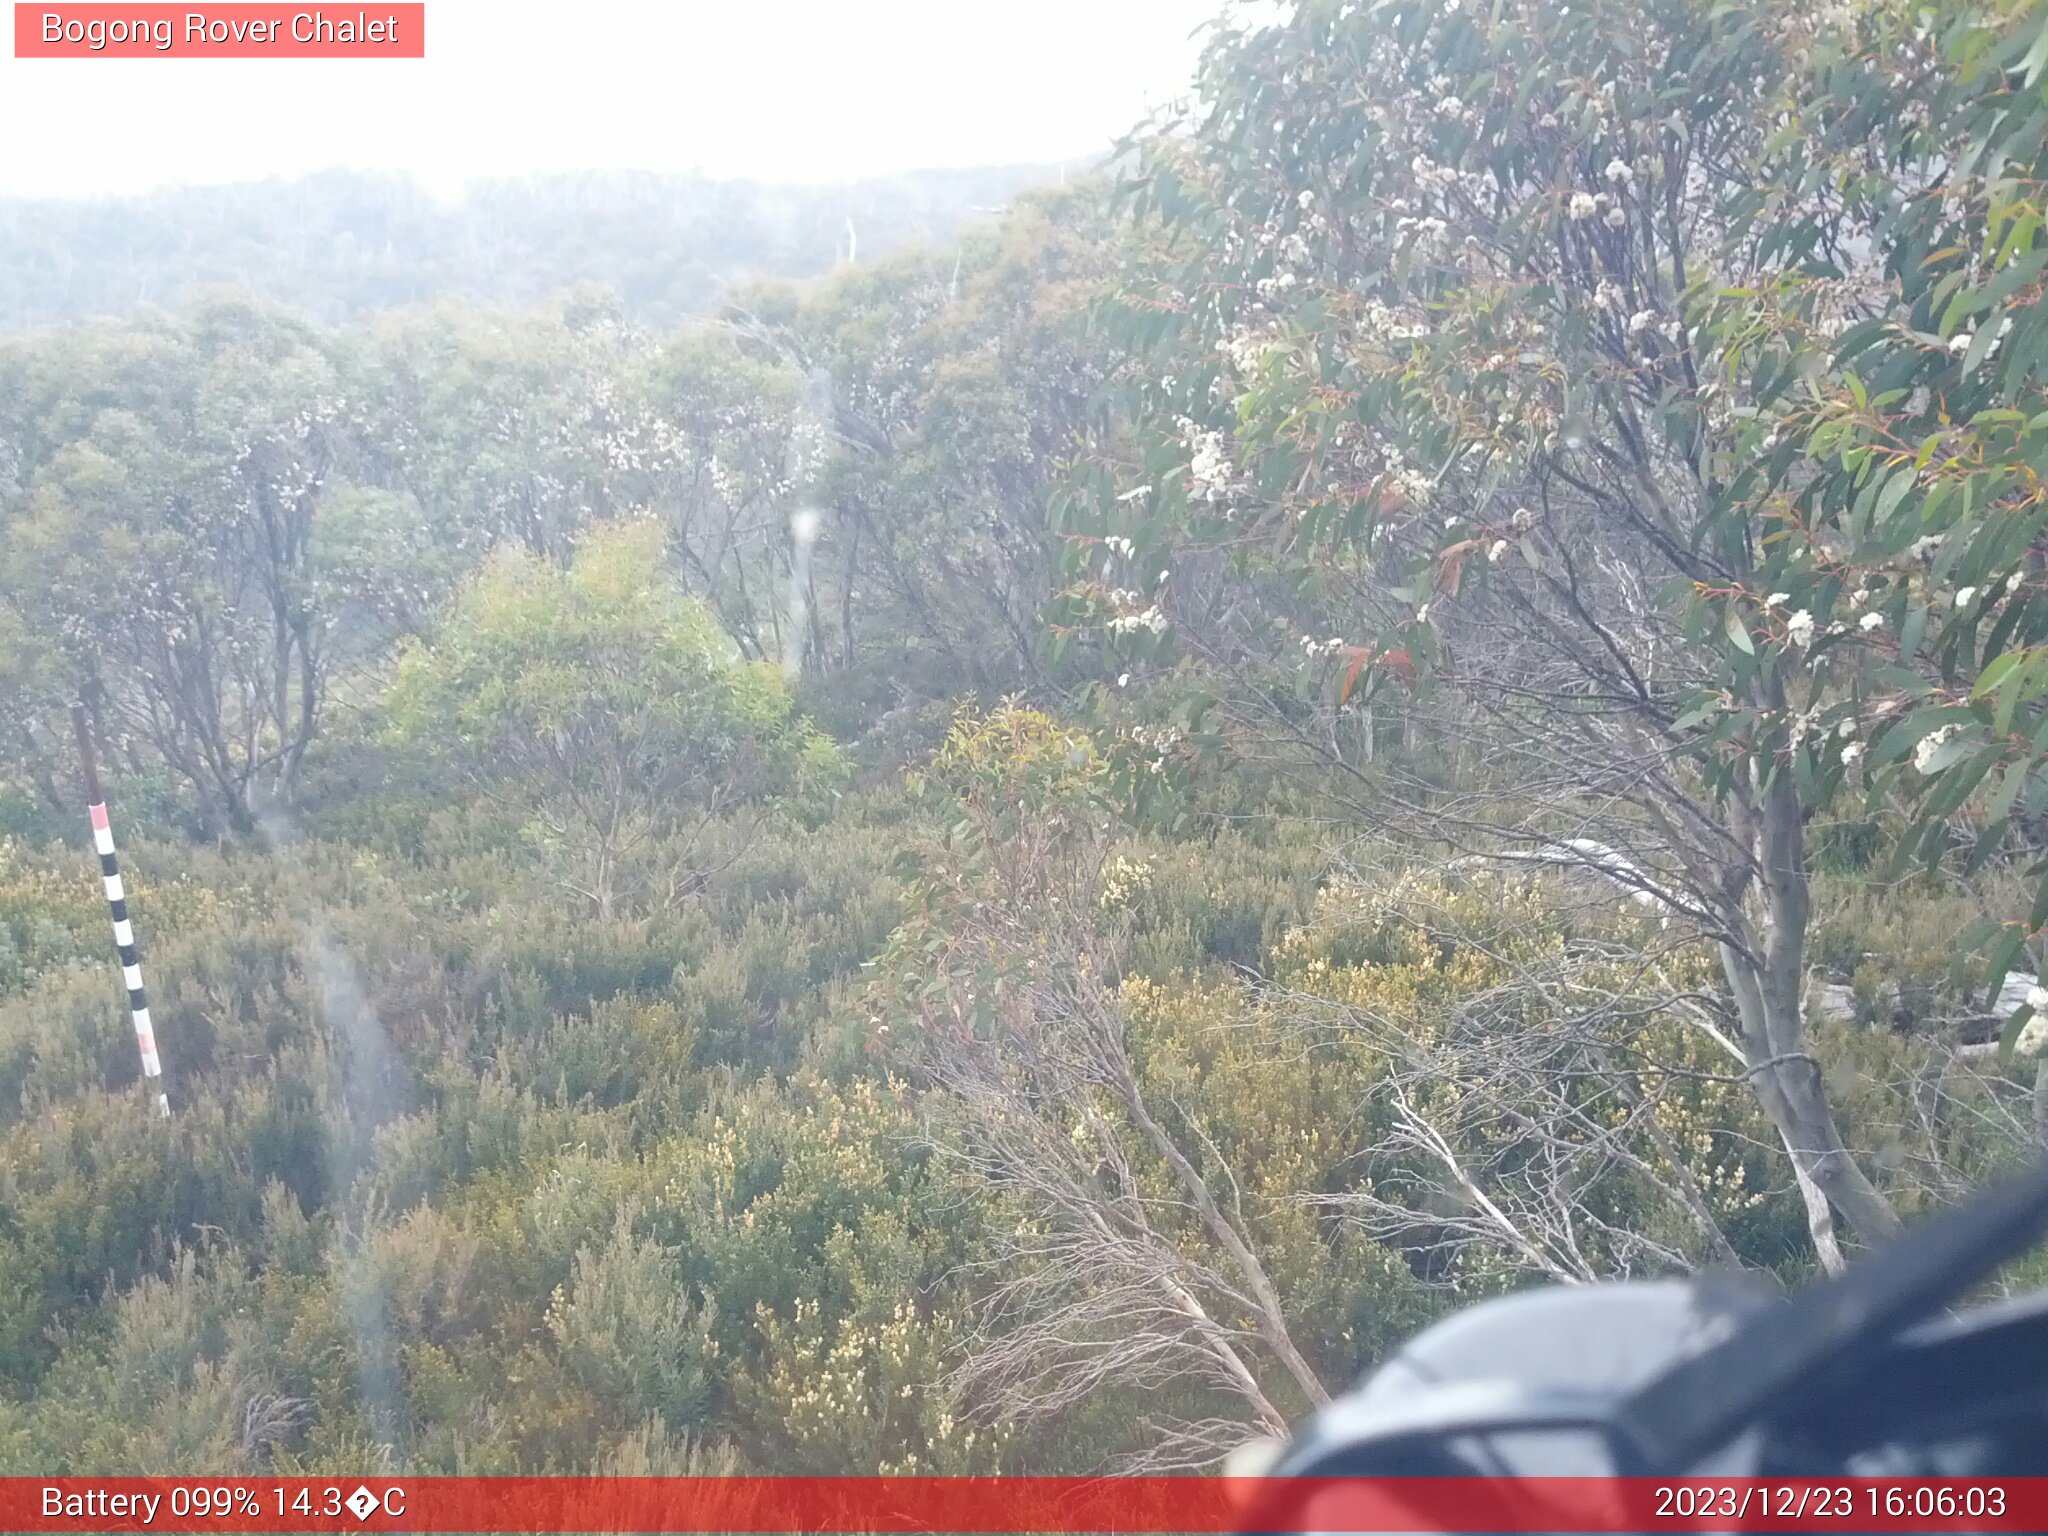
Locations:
{"points": [[990, 1504], [228, 31]]}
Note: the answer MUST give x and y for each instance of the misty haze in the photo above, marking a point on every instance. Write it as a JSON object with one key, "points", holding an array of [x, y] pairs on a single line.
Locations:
{"points": [[934, 739]]}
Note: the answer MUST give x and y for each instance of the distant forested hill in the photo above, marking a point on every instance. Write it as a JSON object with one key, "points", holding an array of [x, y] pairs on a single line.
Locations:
{"points": [[340, 244]]}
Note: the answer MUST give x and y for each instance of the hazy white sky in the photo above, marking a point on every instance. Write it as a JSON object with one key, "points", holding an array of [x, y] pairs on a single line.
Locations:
{"points": [[777, 89]]}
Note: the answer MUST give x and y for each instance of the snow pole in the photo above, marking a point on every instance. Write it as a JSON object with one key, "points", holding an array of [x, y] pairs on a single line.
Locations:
{"points": [[117, 903]]}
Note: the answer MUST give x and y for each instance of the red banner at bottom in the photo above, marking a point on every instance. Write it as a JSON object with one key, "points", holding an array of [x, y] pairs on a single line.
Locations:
{"points": [[1019, 1504]]}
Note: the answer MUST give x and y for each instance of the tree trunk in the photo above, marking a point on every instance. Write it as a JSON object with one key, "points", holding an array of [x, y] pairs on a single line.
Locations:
{"points": [[1272, 1316], [1767, 973]]}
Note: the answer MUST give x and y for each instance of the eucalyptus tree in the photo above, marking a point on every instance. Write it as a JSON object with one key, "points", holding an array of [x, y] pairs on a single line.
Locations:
{"points": [[163, 556], [725, 444], [504, 425], [954, 386], [1647, 390]]}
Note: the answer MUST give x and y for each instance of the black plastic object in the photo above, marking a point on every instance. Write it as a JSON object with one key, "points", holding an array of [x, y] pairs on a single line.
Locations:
{"points": [[1700, 1376]]}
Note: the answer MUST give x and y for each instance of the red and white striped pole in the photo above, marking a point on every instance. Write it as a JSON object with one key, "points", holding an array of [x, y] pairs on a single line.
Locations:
{"points": [[117, 903]]}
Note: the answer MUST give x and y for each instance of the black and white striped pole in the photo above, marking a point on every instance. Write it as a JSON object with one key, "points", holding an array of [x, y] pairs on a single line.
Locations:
{"points": [[117, 903]]}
